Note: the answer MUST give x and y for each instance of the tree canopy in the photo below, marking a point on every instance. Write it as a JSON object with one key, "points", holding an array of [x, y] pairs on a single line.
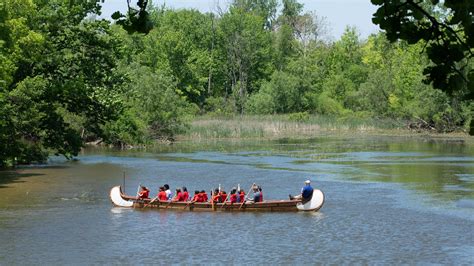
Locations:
{"points": [[446, 28], [57, 78]]}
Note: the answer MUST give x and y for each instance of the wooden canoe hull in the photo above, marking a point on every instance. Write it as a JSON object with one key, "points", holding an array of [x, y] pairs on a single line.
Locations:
{"points": [[121, 200]]}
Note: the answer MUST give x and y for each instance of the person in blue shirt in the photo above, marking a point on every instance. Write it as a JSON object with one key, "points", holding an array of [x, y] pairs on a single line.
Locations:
{"points": [[306, 192], [257, 194]]}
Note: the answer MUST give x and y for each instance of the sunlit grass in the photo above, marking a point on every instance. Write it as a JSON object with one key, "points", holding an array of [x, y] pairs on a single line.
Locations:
{"points": [[281, 126]]}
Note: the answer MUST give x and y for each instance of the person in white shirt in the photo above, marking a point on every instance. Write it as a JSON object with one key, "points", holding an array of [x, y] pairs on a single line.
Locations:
{"points": [[169, 194]]}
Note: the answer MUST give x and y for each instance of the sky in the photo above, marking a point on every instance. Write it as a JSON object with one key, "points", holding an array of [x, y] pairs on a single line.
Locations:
{"points": [[338, 13]]}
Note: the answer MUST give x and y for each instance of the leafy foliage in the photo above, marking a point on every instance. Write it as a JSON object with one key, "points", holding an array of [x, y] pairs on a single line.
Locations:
{"points": [[136, 19], [59, 66], [449, 36]]}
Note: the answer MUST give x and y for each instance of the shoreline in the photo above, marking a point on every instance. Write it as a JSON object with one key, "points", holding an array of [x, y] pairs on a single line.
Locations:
{"points": [[280, 127]]}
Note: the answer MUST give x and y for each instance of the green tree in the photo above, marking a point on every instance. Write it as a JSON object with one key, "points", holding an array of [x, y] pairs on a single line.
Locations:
{"points": [[449, 37], [137, 19], [266, 9], [179, 44], [59, 72], [152, 109], [247, 48], [282, 94]]}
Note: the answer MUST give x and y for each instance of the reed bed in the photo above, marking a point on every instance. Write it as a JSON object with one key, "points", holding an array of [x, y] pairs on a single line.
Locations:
{"points": [[282, 126]]}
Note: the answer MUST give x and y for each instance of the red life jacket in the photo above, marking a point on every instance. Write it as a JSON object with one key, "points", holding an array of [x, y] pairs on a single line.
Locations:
{"points": [[185, 196], [204, 197], [242, 197], [195, 198], [233, 198], [216, 198], [223, 197], [162, 196], [179, 196], [200, 197], [144, 194]]}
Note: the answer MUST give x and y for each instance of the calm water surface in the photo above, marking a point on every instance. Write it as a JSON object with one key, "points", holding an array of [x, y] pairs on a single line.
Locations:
{"points": [[388, 200]]}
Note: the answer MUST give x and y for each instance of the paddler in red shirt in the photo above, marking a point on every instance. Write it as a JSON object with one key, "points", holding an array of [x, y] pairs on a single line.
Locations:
{"points": [[178, 196], [242, 195], [162, 194], [223, 196], [144, 192], [215, 196], [185, 194], [196, 197], [204, 197], [233, 195]]}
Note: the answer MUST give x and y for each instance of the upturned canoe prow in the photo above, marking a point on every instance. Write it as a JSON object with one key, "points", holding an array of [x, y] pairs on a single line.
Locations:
{"points": [[121, 200], [116, 196], [316, 202]]}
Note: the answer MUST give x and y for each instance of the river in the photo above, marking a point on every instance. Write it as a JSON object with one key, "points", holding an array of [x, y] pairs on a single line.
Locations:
{"points": [[389, 200]]}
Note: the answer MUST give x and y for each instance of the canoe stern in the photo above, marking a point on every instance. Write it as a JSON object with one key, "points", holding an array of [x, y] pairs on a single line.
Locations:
{"points": [[316, 202]]}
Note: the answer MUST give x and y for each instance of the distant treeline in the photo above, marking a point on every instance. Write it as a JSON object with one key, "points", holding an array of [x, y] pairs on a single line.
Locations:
{"points": [[67, 77]]}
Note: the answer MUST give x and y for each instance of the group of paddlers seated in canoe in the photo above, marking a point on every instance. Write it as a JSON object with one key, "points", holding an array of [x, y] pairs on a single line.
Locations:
{"points": [[217, 196]]}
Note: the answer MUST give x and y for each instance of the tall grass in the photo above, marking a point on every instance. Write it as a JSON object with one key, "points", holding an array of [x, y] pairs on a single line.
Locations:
{"points": [[282, 126]]}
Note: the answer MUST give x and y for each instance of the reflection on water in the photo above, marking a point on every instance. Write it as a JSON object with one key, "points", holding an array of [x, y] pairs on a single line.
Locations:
{"points": [[388, 201]]}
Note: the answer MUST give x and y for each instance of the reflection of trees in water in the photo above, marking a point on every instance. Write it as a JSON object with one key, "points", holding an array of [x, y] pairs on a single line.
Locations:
{"points": [[432, 166], [443, 180], [7, 177]]}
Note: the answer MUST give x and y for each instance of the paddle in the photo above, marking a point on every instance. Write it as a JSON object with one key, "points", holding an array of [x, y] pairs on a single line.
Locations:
{"points": [[188, 205], [192, 201], [153, 200], [238, 193], [123, 182], [212, 200], [171, 200], [225, 201], [245, 199], [167, 205], [138, 191]]}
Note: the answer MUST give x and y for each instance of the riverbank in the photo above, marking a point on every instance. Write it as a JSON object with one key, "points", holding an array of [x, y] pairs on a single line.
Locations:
{"points": [[300, 126]]}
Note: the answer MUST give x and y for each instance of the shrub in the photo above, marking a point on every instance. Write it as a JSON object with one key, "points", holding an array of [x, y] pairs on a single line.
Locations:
{"points": [[299, 117], [218, 106], [328, 106]]}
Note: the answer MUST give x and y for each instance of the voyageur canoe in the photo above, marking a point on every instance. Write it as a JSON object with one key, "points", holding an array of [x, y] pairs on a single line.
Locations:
{"points": [[119, 199]]}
